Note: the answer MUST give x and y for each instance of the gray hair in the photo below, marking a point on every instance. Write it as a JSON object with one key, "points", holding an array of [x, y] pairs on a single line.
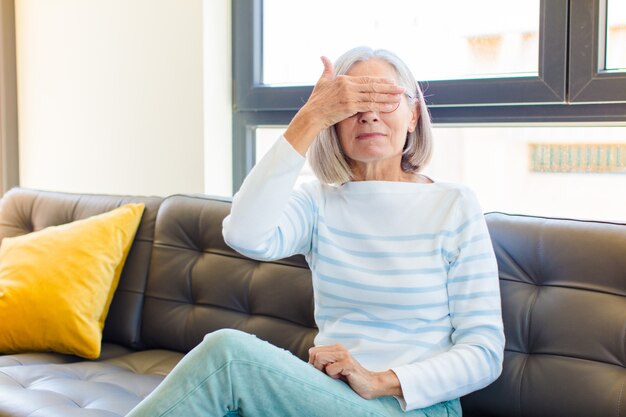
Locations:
{"points": [[327, 158]]}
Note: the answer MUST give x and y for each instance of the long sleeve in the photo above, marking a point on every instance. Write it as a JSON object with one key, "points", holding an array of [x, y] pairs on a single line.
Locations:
{"points": [[268, 219], [475, 359]]}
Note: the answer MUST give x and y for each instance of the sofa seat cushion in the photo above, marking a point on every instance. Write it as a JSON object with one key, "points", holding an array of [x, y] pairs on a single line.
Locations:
{"points": [[110, 387], [107, 351]]}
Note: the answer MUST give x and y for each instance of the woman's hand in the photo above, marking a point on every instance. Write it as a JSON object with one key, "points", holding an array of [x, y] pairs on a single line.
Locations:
{"points": [[336, 98], [338, 363]]}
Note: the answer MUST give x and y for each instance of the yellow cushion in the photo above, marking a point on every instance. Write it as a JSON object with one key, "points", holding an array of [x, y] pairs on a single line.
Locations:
{"points": [[56, 284]]}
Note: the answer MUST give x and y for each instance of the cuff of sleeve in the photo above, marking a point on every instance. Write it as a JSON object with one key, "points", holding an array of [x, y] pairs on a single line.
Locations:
{"points": [[409, 390], [289, 149], [401, 402]]}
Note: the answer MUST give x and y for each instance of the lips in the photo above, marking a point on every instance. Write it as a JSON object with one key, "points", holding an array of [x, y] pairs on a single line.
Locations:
{"points": [[369, 135]]}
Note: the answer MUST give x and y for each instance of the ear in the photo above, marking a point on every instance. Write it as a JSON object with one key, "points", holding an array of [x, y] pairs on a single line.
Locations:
{"points": [[415, 116]]}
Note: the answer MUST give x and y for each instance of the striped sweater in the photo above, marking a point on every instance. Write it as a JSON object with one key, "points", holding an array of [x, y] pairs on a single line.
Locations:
{"points": [[404, 274]]}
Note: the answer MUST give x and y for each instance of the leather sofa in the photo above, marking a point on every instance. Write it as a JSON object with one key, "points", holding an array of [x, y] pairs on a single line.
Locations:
{"points": [[563, 288]]}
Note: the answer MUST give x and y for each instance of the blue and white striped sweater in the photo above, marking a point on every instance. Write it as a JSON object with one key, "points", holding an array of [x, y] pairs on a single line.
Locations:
{"points": [[404, 274]]}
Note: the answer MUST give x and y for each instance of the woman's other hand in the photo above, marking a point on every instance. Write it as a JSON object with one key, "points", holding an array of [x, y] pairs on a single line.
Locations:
{"points": [[337, 362], [336, 98]]}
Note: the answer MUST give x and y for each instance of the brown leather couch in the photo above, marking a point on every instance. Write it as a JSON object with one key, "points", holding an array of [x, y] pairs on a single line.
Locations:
{"points": [[563, 293]]}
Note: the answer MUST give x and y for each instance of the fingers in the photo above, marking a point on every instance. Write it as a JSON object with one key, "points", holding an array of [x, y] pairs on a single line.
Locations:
{"points": [[378, 85], [336, 98], [329, 69], [379, 97], [374, 103], [369, 84], [338, 369], [337, 362], [374, 96], [321, 356], [321, 359]]}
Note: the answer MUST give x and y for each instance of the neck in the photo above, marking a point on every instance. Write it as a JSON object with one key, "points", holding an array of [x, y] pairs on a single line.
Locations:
{"points": [[380, 172]]}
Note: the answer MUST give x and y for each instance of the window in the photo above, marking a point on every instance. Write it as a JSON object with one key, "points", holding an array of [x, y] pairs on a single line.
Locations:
{"points": [[511, 168], [538, 79], [563, 92], [615, 35], [479, 46]]}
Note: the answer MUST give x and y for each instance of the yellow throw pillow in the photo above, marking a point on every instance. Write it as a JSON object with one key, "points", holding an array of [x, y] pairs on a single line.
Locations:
{"points": [[56, 284]]}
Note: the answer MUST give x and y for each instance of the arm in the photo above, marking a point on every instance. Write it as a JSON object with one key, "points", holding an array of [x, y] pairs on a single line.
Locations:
{"points": [[475, 359], [270, 221]]}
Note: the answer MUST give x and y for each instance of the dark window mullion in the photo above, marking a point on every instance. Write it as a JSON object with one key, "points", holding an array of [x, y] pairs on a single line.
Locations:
{"points": [[588, 82]]}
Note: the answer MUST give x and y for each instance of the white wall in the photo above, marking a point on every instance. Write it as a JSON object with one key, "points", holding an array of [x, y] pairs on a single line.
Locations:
{"points": [[111, 96], [217, 98]]}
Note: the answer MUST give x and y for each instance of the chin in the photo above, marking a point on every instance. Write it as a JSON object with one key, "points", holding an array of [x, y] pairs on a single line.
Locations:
{"points": [[368, 157]]}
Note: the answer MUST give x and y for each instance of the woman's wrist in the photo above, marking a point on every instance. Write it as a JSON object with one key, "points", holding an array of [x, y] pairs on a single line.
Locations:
{"points": [[387, 384], [302, 131]]}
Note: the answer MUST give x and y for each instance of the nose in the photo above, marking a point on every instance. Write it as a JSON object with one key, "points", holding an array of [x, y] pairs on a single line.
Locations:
{"points": [[368, 117]]}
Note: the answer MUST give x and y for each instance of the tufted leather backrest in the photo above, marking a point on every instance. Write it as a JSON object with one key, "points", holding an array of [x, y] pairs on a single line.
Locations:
{"points": [[23, 211], [563, 286], [197, 284]]}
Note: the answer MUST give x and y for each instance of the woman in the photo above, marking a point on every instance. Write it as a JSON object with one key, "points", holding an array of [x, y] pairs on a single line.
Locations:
{"points": [[406, 288]]}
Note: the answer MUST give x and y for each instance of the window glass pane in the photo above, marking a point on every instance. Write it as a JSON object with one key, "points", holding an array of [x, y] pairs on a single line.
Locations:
{"points": [[557, 171], [444, 39], [576, 172], [266, 137], [616, 35]]}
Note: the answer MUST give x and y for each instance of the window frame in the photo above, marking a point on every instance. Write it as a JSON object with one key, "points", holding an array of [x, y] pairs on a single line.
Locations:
{"points": [[9, 160], [547, 87], [589, 81], [545, 98]]}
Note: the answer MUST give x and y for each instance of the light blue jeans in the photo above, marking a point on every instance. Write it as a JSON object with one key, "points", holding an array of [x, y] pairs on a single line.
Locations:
{"points": [[232, 373]]}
